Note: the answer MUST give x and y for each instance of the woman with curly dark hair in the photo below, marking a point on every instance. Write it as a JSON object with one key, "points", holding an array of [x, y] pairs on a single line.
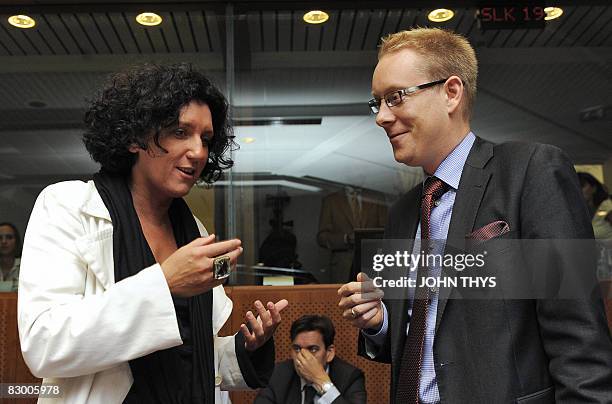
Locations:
{"points": [[121, 296]]}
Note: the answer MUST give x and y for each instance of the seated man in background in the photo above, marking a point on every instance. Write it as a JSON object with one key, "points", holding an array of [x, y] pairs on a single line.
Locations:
{"points": [[314, 374]]}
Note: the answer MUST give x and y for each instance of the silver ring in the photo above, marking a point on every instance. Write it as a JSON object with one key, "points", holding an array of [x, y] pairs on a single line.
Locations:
{"points": [[221, 267], [353, 312]]}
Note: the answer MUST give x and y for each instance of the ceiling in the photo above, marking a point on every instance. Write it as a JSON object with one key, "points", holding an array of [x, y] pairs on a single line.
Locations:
{"points": [[532, 83]]}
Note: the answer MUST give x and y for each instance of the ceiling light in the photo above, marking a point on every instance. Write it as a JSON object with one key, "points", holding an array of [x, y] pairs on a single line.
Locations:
{"points": [[552, 13], [248, 139], [316, 17], [148, 19], [21, 21], [440, 15]]}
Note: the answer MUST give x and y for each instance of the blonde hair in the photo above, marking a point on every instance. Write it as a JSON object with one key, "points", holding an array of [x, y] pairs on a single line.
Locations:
{"points": [[445, 54]]}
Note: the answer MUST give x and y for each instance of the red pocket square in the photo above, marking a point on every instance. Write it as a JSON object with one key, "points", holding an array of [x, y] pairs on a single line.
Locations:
{"points": [[489, 231]]}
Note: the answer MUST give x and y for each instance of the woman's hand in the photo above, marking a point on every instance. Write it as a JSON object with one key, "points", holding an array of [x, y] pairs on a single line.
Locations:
{"points": [[189, 270], [260, 329]]}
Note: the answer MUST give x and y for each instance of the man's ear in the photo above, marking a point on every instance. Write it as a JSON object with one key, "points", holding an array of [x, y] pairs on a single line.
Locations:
{"points": [[454, 93], [330, 353]]}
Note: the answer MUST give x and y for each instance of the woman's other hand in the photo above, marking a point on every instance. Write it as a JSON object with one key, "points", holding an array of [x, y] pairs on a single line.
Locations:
{"points": [[260, 329]]}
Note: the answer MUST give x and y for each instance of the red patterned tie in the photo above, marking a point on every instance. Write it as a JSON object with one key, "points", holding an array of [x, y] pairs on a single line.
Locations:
{"points": [[412, 358]]}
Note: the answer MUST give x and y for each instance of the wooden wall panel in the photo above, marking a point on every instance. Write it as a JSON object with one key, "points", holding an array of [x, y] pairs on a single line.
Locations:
{"points": [[12, 367], [8, 326]]}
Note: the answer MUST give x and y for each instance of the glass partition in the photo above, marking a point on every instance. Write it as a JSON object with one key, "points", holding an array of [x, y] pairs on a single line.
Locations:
{"points": [[313, 175]]}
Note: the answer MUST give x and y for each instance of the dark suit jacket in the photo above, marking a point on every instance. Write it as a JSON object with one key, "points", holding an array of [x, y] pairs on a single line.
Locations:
{"points": [[336, 220], [506, 351], [284, 386]]}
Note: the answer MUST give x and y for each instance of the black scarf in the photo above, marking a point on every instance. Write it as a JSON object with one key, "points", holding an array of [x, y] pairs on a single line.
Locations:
{"points": [[179, 375]]}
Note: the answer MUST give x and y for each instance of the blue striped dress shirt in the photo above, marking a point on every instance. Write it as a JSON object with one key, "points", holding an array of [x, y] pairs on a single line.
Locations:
{"points": [[448, 171]]}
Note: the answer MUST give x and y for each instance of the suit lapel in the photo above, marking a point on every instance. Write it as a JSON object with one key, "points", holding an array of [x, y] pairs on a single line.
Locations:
{"points": [[474, 180], [336, 375], [294, 395], [406, 221], [96, 246], [409, 209]]}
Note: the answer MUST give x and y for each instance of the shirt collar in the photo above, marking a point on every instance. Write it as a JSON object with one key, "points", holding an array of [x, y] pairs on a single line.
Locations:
{"points": [[93, 204], [451, 167]]}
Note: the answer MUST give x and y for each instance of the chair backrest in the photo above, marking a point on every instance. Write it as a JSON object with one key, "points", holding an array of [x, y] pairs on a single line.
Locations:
{"points": [[606, 292], [12, 367]]}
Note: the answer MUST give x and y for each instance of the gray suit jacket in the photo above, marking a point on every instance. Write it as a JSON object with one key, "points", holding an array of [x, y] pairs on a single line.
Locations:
{"points": [[511, 351]]}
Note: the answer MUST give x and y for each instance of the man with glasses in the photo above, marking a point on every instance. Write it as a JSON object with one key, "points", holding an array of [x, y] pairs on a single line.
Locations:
{"points": [[442, 348]]}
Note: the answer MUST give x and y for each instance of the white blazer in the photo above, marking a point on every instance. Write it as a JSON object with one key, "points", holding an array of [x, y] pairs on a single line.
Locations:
{"points": [[77, 327]]}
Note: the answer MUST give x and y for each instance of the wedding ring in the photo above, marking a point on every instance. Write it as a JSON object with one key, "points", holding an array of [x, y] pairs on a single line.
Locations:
{"points": [[221, 267], [353, 312]]}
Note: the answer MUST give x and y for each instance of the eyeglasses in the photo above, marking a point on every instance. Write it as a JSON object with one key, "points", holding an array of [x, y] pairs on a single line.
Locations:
{"points": [[396, 97]]}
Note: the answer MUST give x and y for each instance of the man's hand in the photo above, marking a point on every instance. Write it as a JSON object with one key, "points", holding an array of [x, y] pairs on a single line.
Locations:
{"points": [[260, 329], [189, 270], [361, 303], [310, 369]]}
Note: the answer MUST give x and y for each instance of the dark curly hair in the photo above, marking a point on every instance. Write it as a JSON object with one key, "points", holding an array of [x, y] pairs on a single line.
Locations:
{"points": [[600, 194], [145, 100]]}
